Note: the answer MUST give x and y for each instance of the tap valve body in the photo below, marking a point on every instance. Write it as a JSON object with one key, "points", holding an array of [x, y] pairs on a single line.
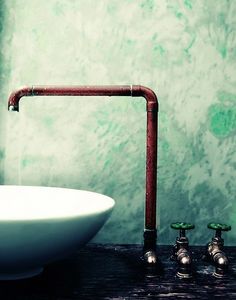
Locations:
{"points": [[215, 252], [181, 251]]}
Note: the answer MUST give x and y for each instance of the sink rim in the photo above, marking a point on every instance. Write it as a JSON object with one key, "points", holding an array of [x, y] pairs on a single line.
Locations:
{"points": [[107, 205]]}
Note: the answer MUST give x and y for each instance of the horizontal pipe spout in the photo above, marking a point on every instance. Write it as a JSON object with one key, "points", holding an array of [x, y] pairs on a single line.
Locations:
{"points": [[125, 90], [151, 140]]}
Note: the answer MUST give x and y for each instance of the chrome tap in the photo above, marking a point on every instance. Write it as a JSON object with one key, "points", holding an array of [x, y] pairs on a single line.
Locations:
{"points": [[181, 251], [214, 252]]}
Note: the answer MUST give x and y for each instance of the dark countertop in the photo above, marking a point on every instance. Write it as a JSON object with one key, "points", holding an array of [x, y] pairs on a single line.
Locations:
{"points": [[117, 272]]}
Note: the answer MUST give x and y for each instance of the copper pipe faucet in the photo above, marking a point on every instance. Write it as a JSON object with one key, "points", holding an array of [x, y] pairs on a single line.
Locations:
{"points": [[150, 231]]}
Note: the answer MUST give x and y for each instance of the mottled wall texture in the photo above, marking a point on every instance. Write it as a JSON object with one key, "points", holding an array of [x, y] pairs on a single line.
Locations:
{"points": [[184, 50]]}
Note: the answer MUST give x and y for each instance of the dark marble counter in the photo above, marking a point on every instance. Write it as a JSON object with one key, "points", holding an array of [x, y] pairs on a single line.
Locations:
{"points": [[116, 272]]}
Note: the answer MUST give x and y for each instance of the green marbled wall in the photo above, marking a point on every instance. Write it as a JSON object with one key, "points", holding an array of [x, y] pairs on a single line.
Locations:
{"points": [[184, 50]]}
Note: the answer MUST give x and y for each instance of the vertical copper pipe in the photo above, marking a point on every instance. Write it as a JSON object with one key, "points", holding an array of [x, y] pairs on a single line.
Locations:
{"points": [[150, 232], [151, 153], [151, 142]]}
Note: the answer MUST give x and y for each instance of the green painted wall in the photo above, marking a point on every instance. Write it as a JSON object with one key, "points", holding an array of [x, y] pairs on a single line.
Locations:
{"points": [[184, 50]]}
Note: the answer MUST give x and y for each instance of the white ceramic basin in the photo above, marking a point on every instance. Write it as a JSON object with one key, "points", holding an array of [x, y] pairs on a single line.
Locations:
{"points": [[41, 224]]}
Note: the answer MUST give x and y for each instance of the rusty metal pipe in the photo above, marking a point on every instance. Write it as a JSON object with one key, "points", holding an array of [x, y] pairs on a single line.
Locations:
{"points": [[151, 141]]}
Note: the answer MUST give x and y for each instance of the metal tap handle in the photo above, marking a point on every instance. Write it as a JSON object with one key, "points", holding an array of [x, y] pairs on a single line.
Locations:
{"points": [[182, 226], [219, 227]]}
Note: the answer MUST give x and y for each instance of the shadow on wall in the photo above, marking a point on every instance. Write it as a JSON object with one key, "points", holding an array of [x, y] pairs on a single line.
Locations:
{"points": [[2, 75]]}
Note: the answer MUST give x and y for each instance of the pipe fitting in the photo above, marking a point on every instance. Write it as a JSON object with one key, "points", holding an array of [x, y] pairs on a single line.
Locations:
{"points": [[149, 247], [214, 252], [181, 251], [14, 99], [184, 260], [217, 257], [150, 257], [148, 94]]}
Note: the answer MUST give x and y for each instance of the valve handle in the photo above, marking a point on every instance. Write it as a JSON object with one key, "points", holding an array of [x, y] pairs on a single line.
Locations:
{"points": [[219, 226], [182, 226]]}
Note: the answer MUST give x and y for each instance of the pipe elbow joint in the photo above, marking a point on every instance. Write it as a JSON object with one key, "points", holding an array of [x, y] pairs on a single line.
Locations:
{"points": [[184, 264], [217, 257], [150, 257], [148, 94], [185, 260], [221, 263], [221, 260], [14, 99]]}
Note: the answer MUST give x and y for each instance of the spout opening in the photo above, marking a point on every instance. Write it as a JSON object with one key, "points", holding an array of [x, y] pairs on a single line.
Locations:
{"points": [[13, 108]]}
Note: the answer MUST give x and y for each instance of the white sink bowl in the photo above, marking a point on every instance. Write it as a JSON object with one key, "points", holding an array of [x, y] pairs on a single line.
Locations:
{"points": [[39, 225]]}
